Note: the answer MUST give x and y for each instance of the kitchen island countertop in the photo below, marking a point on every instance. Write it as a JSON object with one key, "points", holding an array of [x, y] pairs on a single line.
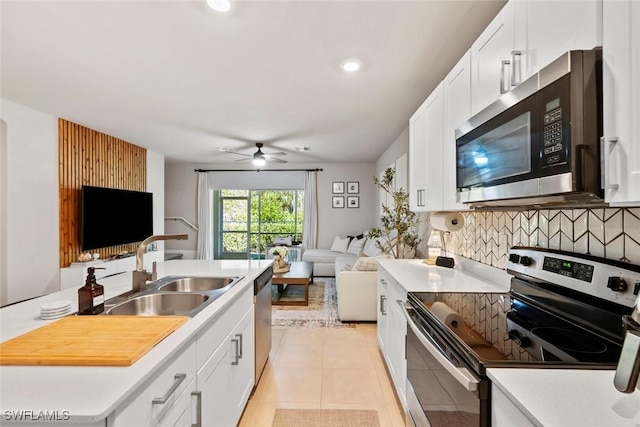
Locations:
{"points": [[90, 394]]}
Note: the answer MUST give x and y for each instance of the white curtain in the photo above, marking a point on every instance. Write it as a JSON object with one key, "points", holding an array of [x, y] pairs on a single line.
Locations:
{"points": [[310, 226], [205, 217]]}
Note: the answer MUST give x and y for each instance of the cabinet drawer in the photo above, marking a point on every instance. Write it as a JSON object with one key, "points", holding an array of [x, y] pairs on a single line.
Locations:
{"points": [[156, 396], [212, 335]]}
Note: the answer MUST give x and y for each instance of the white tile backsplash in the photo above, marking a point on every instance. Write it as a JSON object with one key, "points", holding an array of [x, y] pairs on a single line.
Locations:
{"points": [[612, 233]]}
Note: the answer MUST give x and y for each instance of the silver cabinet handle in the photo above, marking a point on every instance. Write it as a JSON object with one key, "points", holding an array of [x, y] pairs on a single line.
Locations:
{"points": [[177, 380], [383, 310], [605, 159], [198, 395], [504, 80], [384, 282], [237, 355], [516, 67], [241, 345]]}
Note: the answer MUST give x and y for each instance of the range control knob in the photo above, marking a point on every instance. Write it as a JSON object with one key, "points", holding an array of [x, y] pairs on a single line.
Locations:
{"points": [[617, 284], [515, 336], [514, 258], [526, 261]]}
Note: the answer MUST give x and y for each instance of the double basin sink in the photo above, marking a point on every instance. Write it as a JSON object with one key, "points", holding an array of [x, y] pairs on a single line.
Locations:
{"points": [[171, 296]]}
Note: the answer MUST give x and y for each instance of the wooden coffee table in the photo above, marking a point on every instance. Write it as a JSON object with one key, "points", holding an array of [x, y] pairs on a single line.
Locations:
{"points": [[300, 273]]}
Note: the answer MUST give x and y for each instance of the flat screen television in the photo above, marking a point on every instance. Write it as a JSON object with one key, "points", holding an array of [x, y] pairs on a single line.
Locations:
{"points": [[110, 217]]}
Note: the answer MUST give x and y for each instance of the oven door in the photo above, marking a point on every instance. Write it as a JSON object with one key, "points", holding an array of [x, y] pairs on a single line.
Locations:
{"points": [[441, 389]]}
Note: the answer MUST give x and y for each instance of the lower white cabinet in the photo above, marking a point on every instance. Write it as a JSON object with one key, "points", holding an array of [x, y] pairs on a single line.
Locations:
{"points": [[392, 330], [158, 397], [226, 379], [504, 413], [181, 413]]}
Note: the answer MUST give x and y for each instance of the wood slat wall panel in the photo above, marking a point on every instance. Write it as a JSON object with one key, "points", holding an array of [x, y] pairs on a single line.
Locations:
{"points": [[88, 157]]}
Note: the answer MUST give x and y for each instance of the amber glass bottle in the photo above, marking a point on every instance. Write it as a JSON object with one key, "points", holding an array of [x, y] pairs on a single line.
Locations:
{"points": [[91, 295]]}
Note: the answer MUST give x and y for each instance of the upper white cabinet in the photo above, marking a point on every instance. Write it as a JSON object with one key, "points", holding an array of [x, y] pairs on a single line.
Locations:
{"points": [[524, 37], [547, 29], [417, 156], [457, 109], [621, 99], [426, 153], [491, 59]]}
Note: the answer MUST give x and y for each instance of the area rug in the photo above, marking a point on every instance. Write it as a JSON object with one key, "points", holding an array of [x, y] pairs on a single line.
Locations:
{"points": [[325, 418], [322, 311]]}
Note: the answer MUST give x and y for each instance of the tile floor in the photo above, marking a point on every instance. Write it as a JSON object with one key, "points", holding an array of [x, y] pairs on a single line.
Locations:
{"points": [[337, 368]]}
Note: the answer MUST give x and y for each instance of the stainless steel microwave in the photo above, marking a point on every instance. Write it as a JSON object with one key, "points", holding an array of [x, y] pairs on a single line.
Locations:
{"points": [[539, 143]]}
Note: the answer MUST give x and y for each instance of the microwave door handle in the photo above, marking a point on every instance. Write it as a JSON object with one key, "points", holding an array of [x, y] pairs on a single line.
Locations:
{"points": [[462, 375], [504, 80]]}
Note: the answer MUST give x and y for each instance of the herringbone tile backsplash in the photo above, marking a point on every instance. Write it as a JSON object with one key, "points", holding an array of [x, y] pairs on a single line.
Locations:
{"points": [[609, 233]]}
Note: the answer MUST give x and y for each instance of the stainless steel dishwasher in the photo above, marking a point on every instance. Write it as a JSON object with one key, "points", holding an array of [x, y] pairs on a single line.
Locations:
{"points": [[262, 305]]}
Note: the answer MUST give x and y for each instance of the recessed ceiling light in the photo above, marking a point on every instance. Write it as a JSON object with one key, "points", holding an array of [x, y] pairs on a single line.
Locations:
{"points": [[219, 5], [350, 66]]}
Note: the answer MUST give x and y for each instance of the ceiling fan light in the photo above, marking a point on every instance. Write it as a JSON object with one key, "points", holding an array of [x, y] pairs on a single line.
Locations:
{"points": [[259, 161], [219, 5]]}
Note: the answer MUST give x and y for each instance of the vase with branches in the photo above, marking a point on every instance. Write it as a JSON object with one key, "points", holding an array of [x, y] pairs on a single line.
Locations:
{"points": [[397, 236]]}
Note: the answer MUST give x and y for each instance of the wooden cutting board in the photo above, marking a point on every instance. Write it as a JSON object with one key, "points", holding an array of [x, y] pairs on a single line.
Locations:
{"points": [[89, 341]]}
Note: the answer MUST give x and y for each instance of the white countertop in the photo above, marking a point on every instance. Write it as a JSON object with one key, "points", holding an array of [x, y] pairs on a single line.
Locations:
{"points": [[561, 397], [92, 393], [416, 276]]}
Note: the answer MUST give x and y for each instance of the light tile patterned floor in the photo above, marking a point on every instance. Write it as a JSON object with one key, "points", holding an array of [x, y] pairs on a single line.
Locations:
{"points": [[333, 368]]}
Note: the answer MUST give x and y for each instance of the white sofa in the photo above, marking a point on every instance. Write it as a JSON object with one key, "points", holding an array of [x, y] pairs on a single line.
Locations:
{"points": [[356, 290]]}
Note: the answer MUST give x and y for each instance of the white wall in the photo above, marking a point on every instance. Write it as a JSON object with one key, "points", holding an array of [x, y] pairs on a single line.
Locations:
{"points": [[397, 148], [3, 213], [181, 188], [155, 185], [32, 226]]}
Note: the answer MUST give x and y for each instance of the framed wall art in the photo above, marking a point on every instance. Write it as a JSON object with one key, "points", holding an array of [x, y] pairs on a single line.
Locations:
{"points": [[353, 201], [353, 187], [338, 187], [338, 202]]}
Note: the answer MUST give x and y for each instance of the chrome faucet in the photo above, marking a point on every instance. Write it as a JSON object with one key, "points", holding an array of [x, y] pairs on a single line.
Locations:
{"points": [[140, 275]]}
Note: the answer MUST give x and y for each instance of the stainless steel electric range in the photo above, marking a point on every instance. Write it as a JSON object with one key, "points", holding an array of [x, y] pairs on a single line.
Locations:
{"points": [[564, 310]]}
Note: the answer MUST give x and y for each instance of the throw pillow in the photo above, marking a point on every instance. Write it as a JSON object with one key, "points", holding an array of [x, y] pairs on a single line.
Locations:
{"points": [[284, 241], [370, 248], [340, 244], [356, 246], [365, 264]]}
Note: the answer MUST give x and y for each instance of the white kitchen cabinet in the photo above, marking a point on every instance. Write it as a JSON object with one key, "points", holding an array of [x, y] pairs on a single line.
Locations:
{"points": [[547, 29], [392, 330], [181, 413], [226, 379], [158, 396], [457, 109], [417, 157], [426, 154], [621, 101], [491, 59], [504, 413]]}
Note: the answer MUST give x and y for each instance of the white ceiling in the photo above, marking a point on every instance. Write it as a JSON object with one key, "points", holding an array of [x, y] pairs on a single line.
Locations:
{"points": [[180, 79]]}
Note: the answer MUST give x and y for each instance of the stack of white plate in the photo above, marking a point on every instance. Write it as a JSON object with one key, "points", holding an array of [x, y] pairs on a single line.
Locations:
{"points": [[55, 310]]}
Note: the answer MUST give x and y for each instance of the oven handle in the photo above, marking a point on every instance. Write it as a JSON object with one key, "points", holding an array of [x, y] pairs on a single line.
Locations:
{"points": [[462, 375]]}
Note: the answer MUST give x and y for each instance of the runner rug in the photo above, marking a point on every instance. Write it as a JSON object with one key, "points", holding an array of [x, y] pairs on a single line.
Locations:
{"points": [[325, 418], [322, 311]]}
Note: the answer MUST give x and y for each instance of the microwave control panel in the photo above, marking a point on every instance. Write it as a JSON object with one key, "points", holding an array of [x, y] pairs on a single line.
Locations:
{"points": [[553, 150]]}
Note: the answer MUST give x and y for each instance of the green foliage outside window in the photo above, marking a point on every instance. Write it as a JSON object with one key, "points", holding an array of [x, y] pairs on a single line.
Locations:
{"points": [[260, 215]]}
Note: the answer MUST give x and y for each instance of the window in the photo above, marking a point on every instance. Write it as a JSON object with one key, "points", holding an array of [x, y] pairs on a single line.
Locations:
{"points": [[249, 220]]}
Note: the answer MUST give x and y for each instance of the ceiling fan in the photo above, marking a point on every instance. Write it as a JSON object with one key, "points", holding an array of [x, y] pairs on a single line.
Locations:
{"points": [[259, 158]]}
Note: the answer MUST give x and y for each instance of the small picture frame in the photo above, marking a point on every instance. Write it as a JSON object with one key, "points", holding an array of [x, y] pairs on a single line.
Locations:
{"points": [[353, 202], [338, 187], [353, 187], [338, 202]]}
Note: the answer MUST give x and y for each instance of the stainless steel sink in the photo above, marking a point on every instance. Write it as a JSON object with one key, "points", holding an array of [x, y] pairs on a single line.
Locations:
{"points": [[159, 304], [198, 284]]}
